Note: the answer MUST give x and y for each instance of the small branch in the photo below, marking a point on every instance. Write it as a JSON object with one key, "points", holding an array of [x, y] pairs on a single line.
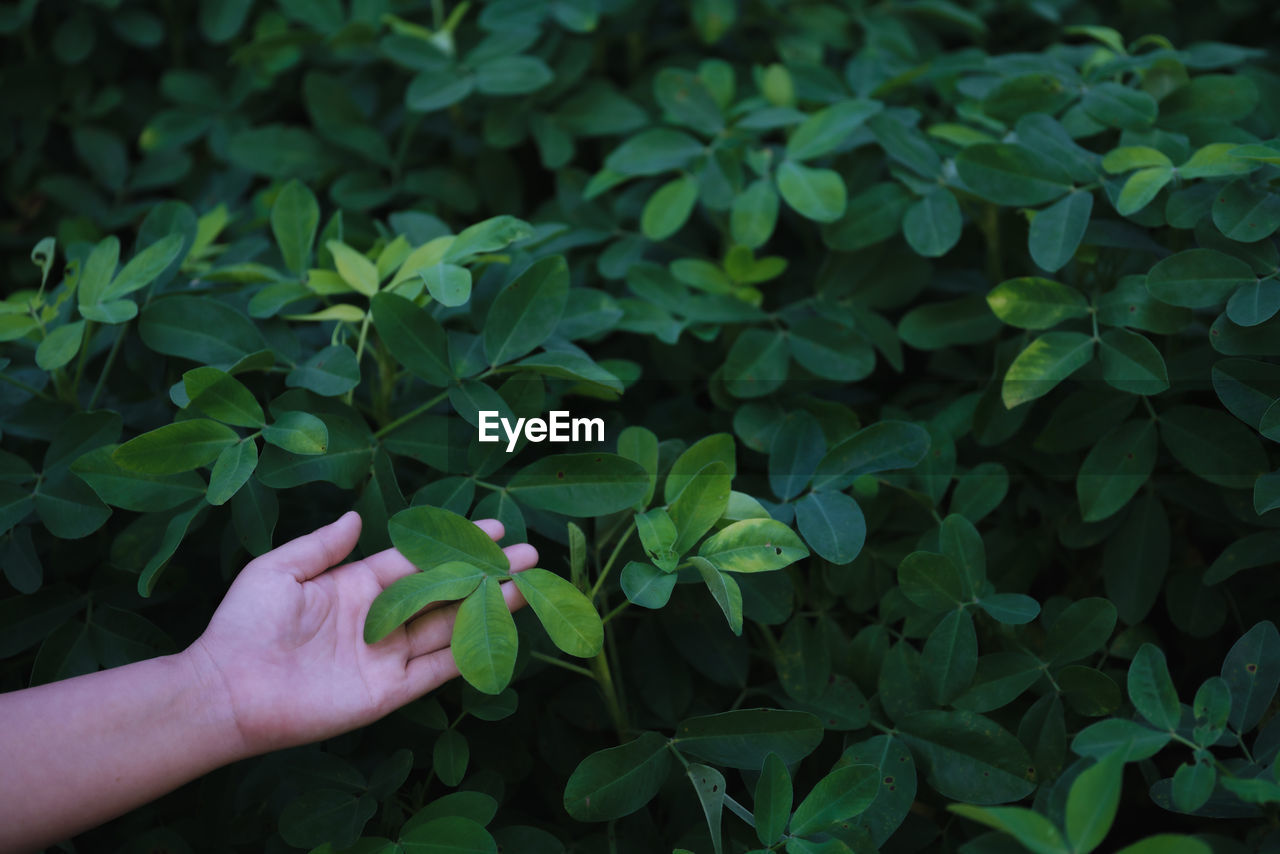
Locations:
{"points": [[558, 662]]}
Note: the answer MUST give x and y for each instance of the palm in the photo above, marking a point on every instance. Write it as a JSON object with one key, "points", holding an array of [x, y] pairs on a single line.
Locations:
{"points": [[288, 640]]}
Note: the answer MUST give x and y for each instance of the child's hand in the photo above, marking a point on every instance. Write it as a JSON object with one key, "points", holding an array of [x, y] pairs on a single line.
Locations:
{"points": [[287, 647]]}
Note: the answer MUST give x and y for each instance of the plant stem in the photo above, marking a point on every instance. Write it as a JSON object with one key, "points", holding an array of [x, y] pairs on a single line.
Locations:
{"points": [[604, 678], [608, 565], [32, 390], [86, 339], [409, 416], [559, 662], [106, 367], [616, 611]]}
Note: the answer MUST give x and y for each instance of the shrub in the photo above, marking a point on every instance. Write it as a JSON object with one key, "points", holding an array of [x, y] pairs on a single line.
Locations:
{"points": [[933, 344]]}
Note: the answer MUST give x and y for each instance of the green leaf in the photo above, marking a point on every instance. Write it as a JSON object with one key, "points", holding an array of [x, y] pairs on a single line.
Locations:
{"points": [[1141, 187], [754, 214], [753, 545], [407, 596], [323, 815], [512, 75], [580, 484], [830, 349], [931, 581], [450, 756], [1151, 689], [329, 373], [490, 235], [1130, 739], [98, 271], [234, 466], [1115, 469], [298, 433], [414, 337], [832, 524], [825, 130], [617, 781], [175, 448], [355, 269], [1011, 174], [1092, 802], [700, 505], [295, 216], [709, 785], [448, 284], [724, 589], [1045, 362], [1035, 303], [1034, 831], [1213, 445], [1080, 629], [1132, 363], [1056, 231], [1118, 106], [883, 446], [669, 208], [484, 638], [967, 320], [131, 490], [145, 267], [437, 89], [220, 395], [967, 756], [1167, 843], [1246, 213], [1197, 278], [773, 798], [687, 100], [447, 834], [201, 329], [1129, 157], [645, 585], [1193, 782], [816, 194], [744, 737], [950, 656], [1252, 673], [757, 363], [654, 151], [844, 793], [717, 446], [526, 312], [430, 536], [932, 224], [60, 346], [564, 611]]}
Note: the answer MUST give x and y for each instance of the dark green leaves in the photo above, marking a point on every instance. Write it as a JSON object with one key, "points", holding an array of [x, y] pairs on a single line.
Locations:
{"points": [[743, 738], [413, 336], [816, 194], [1011, 174], [565, 612], [294, 219], [617, 781], [1151, 690], [1197, 278], [526, 311], [580, 484]]}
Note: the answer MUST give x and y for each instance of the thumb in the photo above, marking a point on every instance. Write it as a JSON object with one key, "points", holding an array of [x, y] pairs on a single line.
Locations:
{"points": [[311, 554]]}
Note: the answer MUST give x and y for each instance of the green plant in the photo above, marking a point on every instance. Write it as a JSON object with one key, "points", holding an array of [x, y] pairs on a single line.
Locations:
{"points": [[934, 345]]}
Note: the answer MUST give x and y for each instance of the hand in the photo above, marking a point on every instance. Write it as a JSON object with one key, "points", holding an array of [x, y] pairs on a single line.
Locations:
{"points": [[287, 643]]}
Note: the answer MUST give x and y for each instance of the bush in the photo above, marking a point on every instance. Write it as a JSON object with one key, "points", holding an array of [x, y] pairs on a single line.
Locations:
{"points": [[933, 344]]}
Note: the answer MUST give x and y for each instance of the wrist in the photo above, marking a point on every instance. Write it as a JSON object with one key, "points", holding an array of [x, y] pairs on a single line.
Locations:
{"points": [[211, 701]]}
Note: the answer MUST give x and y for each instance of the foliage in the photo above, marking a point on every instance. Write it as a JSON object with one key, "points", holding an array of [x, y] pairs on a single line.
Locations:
{"points": [[934, 342]]}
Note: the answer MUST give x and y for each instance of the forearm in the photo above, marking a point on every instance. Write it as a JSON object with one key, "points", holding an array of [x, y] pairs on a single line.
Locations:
{"points": [[79, 752]]}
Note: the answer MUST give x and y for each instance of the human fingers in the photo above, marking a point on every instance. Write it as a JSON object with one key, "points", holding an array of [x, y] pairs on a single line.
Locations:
{"points": [[492, 527], [311, 554], [521, 556], [434, 629]]}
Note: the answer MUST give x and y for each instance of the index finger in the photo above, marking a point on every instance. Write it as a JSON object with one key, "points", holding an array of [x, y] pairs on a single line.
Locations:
{"points": [[389, 565]]}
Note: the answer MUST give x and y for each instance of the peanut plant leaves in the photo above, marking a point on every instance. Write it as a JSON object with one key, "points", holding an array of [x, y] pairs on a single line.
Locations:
{"points": [[565, 612], [526, 311], [617, 781], [484, 638], [430, 536], [409, 595]]}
